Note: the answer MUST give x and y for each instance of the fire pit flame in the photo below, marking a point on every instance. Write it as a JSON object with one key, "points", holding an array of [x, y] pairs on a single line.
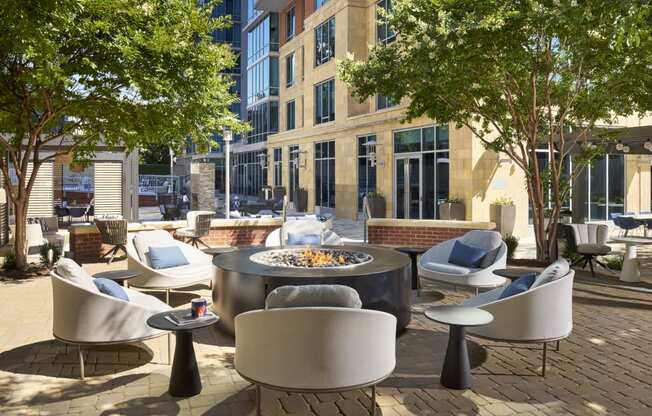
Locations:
{"points": [[311, 258]]}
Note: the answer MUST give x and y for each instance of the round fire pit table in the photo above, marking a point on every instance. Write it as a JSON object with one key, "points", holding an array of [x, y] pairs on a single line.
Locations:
{"points": [[243, 279], [184, 378], [456, 373]]}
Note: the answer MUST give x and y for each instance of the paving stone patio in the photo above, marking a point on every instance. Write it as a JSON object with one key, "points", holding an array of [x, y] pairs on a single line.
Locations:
{"points": [[605, 367]]}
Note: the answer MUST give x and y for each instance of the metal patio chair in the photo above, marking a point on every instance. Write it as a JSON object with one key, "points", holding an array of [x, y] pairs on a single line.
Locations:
{"points": [[113, 232]]}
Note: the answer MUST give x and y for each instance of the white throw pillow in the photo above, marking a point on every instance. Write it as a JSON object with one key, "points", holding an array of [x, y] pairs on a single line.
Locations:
{"points": [[70, 270], [555, 271], [337, 296]]}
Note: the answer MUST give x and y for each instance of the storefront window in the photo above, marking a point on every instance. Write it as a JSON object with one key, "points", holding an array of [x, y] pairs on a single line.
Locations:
{"points": [[325, 174]]}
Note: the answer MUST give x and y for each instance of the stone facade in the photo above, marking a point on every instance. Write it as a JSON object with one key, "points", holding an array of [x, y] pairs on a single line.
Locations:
{"points": [[202, 186]]}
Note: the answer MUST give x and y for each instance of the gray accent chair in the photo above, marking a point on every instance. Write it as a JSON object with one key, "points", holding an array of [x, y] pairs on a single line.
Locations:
{"points": [[113, 232], [199, 225], [589, 241]]}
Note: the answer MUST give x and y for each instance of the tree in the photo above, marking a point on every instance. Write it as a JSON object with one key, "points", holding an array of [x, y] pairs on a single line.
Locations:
{"points": [[521, 75], [77, 73]]}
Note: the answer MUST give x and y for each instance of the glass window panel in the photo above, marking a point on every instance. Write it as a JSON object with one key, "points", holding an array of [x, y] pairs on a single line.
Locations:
{"points": [[616, 184], [407, 141], [442, 177], [442, 138], [428, 178], [598, 189], [428, 138]]}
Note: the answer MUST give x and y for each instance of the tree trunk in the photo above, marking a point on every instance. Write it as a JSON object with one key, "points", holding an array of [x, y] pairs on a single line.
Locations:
{"points": [[20, 237]]}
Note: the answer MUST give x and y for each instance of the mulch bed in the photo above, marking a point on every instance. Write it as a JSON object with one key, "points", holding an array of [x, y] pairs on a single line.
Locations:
{"points": [[527, 263], [32, 271]]}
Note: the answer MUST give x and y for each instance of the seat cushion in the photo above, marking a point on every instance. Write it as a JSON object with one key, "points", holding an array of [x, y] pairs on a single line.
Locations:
{"points": [[295, 239], [448, 268], [111, 288], [337, 296], [520, 285], [466, 256], [166, 257], [145, 239], [556, 270], [593, 249], [70, 270]]}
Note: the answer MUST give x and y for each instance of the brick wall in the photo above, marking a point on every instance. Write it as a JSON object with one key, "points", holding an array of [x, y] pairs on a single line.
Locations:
{"points": [[412, 236], [86, 245]]}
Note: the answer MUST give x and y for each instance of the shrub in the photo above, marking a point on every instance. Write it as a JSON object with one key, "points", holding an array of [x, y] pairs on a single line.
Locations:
{"points": [[511, 241], [10, 261], [614, 262], [454, 200], [505, 200], [43, 251]]}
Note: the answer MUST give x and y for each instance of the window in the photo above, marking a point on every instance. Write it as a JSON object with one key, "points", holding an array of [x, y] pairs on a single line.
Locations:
{"points": [[290, 23], [384, 32], [319, 3], [290, 113], [248, 176], [384, 101], [325, 42], [606, 187], [366, 167], [289, 70], [278, 166], [263, 38], [263, 119], [262, 79], [294, 169], [325, 102], [325, 174]]}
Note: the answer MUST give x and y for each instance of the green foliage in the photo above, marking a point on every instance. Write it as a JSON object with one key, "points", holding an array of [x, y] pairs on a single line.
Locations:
{"points": [[614, 262], [43, 252], [511, 241], [504, 200], [571, 254], [9, 261], [521, 75], [454, 200]]}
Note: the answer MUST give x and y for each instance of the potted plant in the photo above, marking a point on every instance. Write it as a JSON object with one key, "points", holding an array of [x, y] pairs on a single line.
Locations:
{"points": [[300, 199], [502, 212], [377, 205], [452, 209], [566, 216]]}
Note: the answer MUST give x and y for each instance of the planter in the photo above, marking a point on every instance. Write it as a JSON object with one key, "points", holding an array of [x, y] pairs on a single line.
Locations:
{"points": [[300, 200], [452, 211], [278, 192], [377, 206], [504, 216]]}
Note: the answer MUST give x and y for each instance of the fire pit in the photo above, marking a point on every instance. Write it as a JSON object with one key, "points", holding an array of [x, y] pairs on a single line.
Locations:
{"points": [[243, 278], [311, 258]]}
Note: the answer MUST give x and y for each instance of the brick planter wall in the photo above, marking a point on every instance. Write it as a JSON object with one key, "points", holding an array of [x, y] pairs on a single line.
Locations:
{"points": [[395, 232], [86, 244]]}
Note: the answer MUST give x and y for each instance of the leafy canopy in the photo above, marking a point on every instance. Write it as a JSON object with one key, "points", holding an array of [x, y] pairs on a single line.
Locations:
{"points": [[121, 72]]}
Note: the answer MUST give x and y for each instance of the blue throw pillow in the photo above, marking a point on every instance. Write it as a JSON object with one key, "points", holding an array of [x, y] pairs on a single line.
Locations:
{"points": [[304, 239], [111, 288], [520, 285], [466, 256], [165, 257]]}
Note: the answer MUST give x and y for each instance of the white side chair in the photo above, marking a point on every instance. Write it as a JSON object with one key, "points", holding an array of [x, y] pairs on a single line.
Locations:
{"points": [[315, 349], [434, 266], [199, 271], [540, 315], [303, 227], [199, 225], [85, 317]]}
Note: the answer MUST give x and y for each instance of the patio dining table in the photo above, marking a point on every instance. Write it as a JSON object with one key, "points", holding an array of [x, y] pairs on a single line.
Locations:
{"points": [[631, 271], [644, 219]]}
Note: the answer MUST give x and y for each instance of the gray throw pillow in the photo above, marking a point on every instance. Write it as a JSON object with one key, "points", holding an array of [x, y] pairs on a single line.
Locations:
{"points": [[555, 271], [337, 296]]}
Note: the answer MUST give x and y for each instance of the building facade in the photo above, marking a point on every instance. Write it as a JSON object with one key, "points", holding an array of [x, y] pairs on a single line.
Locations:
{"points": [[339, 149]]}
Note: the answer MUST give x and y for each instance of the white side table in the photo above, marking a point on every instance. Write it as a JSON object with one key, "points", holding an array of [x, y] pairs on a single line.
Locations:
{"points": [[631, 271]]}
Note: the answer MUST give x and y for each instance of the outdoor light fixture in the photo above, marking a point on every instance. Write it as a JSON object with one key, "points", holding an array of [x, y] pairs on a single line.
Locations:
{"points": [[297, 160], [262, 160], [626, 149], [619, 145], [648, 145], [371, 151]]}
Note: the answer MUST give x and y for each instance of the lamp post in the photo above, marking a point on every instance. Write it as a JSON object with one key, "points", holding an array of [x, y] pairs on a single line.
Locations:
{"points": [[228, 136], [171, 188]]}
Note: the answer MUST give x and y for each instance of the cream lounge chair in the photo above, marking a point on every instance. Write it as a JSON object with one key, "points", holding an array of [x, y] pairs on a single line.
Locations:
{"points": [[82, 315], [541, 314], [199, 271], [434, 265], [303, 227]]}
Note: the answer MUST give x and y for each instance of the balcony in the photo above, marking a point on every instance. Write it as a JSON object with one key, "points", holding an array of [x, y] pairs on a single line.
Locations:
{"points": [[270, 5]]}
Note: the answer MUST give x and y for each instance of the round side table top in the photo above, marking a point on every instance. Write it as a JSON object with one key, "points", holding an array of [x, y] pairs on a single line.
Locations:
{"points": [[459, 315], [117, 274], [514, 273], [216, 251], [632, 240], [159, 321], [412, 250]]}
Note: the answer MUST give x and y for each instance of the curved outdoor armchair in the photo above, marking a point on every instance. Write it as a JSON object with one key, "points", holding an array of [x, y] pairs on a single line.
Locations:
{"points": [[315, 349], [434, 266], [199, 271], [82, 316], [303, 227]]}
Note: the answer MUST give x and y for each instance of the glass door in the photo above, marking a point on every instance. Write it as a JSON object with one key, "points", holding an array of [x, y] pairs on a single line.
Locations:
{"points": [[408, 187]]}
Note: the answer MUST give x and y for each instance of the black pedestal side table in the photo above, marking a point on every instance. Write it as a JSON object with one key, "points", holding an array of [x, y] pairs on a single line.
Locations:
{"points": [[184, 379], [456, 373], [413, 252]]}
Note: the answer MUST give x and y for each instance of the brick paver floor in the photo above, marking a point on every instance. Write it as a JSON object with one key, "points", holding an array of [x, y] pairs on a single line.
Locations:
{"points": [[605, 367]]}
